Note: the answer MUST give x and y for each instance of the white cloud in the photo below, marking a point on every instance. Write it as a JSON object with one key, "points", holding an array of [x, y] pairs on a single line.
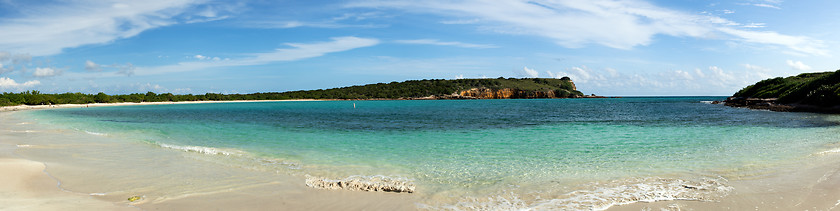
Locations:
{"points": [[46, 72], [8, 83], [298, 51], [767, 6], [200, 57], [528, 73], [577, 23], [798, 65], [91, 66], [441, 43], [75, 23]]}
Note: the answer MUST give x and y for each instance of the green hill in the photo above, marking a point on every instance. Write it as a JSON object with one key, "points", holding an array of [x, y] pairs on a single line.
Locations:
{"points": [[413, 89], [807, 91]]}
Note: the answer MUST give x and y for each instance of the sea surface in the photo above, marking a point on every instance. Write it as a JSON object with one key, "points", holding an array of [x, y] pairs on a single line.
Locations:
{"points": [[473, 154]]}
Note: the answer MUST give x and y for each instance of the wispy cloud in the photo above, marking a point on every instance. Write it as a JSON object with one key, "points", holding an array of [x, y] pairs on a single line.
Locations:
{"points": [[298, 51], [443, 43], [126, 69], [767, 6], [49, 28], [616, 24]]}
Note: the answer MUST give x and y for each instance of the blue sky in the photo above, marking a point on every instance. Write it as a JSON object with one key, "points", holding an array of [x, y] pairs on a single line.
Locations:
{"points": [[608, 47]]}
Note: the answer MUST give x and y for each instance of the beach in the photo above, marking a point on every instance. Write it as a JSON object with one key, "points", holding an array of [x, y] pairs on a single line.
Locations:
{"points": [[84, 171], [54, 168]]}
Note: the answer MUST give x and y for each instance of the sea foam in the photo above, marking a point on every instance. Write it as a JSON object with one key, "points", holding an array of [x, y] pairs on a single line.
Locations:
{"points": [[604, 196], [95, 133], [203, 150], [363, 183]]}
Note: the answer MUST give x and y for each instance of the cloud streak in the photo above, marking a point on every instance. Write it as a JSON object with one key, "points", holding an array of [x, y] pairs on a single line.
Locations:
{"points": [[49, 28], [577, 23], [297, 51], [442, 43]]}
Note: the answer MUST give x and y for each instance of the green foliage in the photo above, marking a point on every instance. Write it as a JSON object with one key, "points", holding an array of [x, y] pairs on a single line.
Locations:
{"points": [[822, 89], [393, 90]]}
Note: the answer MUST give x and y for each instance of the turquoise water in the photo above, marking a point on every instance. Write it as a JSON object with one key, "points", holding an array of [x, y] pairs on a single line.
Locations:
{"points": [[475, 145]]}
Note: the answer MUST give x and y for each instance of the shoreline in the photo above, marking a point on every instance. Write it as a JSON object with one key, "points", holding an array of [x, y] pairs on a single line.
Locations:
{"points": [[771, 104], [37, 107], [95, 173]]}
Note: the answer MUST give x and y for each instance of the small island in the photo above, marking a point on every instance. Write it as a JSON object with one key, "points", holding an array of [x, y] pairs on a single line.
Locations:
{"points": [[807, 92]]}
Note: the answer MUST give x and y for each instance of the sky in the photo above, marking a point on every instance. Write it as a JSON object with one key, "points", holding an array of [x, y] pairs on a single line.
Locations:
{"points": [[607, 47]]}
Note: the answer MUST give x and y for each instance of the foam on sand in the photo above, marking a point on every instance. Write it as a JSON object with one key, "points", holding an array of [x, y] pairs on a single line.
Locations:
{"points": [[604, 196], [363, 183]]}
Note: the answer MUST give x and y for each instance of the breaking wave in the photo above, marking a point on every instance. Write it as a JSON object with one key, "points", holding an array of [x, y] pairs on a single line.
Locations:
{"points": [[363, 183], [202, 150]]}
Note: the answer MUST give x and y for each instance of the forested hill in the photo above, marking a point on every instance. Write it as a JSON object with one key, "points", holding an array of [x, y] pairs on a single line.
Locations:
{"points": [[500, 88], [805, 92]]}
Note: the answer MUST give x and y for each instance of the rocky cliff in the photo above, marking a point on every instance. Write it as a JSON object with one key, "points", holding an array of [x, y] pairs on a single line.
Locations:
{"points": [[508, 93]]}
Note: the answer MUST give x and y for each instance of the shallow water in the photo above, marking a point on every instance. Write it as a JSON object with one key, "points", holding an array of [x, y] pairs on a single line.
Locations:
{"points": [[567, 153]]}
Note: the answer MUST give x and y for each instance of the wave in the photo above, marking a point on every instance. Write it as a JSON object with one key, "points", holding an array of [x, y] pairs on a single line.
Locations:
{"points": [[95, 133], [363, 183], [604, 196], [830, 151], [202, 150], [707, 102]]}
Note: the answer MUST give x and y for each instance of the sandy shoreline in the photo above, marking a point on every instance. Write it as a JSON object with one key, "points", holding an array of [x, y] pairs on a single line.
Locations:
{"points": [[37, 107], [40, 171], [32, 164]]}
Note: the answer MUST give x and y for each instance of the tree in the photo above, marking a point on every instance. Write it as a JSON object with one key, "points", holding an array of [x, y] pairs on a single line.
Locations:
{"points": [[102, 98]]}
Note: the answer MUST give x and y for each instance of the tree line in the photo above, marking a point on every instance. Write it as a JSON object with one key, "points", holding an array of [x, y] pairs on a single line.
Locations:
{"points": [[393, 90]]}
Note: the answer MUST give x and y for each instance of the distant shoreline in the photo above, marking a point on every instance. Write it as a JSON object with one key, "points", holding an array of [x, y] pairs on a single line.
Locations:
{"points": [[38, 107]]}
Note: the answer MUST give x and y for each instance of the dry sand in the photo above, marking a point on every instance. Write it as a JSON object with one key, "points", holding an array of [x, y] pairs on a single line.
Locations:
{"points": [[26, 186]]}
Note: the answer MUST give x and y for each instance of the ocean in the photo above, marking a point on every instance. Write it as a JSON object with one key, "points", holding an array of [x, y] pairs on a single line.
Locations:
{"points": [[474, 154]]}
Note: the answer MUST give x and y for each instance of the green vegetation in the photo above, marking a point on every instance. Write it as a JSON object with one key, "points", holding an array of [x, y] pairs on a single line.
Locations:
{"points": [[393, 90], [819, 89]]}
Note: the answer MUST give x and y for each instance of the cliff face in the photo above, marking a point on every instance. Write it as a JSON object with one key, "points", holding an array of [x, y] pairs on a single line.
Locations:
{"points": [[513, 93], [507, 93]]}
